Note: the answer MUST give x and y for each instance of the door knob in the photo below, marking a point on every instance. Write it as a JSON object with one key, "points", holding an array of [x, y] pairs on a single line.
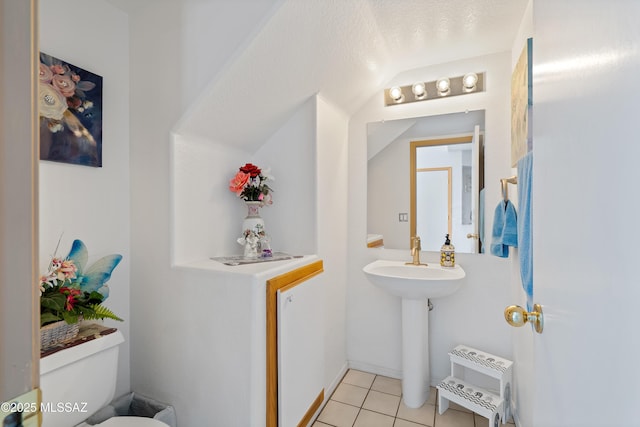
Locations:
{"points": [[518, 316], [473, 236]]}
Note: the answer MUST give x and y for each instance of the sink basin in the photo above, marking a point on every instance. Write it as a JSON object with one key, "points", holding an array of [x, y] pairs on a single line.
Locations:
{"points": [[415, 284], [414, 281]]}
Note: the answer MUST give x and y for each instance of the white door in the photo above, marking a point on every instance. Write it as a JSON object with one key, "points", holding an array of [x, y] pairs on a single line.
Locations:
{"points": [[19, 325], [433, 214], [584, 369]]}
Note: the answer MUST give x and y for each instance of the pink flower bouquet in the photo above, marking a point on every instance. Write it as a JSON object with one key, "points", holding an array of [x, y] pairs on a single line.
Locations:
{"points": [[250, 183]]}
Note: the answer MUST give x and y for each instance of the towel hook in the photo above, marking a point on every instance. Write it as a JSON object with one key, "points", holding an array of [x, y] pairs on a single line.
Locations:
{"points": [[505, 186]]}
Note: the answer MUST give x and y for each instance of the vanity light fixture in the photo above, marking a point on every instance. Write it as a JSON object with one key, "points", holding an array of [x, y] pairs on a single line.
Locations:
{"points": [[444, 87], [419, 90], [469, 82]]}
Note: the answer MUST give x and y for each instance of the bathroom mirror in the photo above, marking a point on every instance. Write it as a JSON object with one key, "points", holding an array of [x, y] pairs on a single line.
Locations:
{"points": [[425, 177]]}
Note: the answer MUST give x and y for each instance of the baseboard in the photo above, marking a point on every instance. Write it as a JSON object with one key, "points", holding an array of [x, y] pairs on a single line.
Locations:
{"points": [[380, 370], [375, 369], [516, 418], [336, 381], [329, 390]]}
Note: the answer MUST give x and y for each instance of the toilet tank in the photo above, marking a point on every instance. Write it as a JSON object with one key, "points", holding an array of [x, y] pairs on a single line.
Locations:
{"points": [[78, 381]]}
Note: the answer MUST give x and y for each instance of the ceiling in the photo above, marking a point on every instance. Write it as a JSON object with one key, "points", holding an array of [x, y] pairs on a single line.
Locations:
{"points": [[344, 50]]}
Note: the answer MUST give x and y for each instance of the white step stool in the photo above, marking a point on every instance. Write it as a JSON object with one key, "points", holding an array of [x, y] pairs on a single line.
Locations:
{"points": [[481, 401], [476, 399]]}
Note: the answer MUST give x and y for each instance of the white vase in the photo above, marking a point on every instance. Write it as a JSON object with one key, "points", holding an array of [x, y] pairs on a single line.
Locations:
{"points": [[253, 217]]}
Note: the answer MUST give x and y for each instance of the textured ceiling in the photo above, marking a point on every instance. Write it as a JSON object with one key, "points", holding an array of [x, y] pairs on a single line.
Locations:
{"points": [[343, 49]]}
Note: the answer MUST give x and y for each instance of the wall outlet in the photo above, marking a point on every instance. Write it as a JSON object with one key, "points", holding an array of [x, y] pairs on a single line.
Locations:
{"points": [[403, 217]]}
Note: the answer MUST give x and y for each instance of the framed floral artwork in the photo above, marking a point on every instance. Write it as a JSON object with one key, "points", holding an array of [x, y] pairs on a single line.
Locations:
{"points": [[70, 109], [522, 105]]}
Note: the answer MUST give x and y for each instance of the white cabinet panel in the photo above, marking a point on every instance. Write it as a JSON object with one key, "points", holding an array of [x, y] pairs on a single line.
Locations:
{"points": [[300, 349]]}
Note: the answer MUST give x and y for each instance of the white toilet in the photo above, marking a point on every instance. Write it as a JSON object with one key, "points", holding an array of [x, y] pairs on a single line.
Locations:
{"points": [[78, 381]]}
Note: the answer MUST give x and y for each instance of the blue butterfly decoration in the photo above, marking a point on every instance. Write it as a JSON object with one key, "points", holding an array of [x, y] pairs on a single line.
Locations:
{"points": [[97, 274]]}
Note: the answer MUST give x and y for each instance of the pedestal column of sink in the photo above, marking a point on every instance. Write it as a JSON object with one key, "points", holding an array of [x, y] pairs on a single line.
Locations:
{"points": [[415, 284], [415, 352]]}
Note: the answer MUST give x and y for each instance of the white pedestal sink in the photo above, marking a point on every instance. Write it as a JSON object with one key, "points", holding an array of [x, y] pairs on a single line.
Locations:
{"points": [[415, 284]]}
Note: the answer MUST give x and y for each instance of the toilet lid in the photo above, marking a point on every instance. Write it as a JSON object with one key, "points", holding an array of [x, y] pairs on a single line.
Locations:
{"points": [[132, 422]]}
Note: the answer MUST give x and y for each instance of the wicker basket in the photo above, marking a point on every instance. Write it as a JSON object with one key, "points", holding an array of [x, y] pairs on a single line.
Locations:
{"points": [[57, 333]]}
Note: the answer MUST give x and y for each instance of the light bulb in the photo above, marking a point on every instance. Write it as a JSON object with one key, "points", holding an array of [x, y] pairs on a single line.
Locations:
{"points": [[396, 93], [469, 82], [419, 90], [443, 86]]}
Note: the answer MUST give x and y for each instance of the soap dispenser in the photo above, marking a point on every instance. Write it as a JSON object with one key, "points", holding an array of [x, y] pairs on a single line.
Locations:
{"points": [[447, 254]]}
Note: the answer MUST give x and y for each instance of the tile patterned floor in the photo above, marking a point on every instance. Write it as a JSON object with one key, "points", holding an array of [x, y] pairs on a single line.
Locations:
{"points": [[368, 400]]}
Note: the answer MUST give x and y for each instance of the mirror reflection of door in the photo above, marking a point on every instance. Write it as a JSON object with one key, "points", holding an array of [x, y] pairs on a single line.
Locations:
{"points": [[441, 169], [433, 212]]}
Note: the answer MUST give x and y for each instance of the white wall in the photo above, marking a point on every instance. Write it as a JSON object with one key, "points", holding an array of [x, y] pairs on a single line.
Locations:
{"points": [[388, 194], [307, 156], [291, 154], [179, 326], [185, 345], [208, 217], [373, 317], [92, 204], [331, 228], [182, 211]]}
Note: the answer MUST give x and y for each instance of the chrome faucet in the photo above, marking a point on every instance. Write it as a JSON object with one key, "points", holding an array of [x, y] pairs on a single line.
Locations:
{"points": [[415, 251]]}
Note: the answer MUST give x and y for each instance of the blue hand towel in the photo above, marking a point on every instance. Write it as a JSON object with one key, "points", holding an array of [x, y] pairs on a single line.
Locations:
{"points": [[510, 228], [505, 232], [497, 248], [525, 172]]}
